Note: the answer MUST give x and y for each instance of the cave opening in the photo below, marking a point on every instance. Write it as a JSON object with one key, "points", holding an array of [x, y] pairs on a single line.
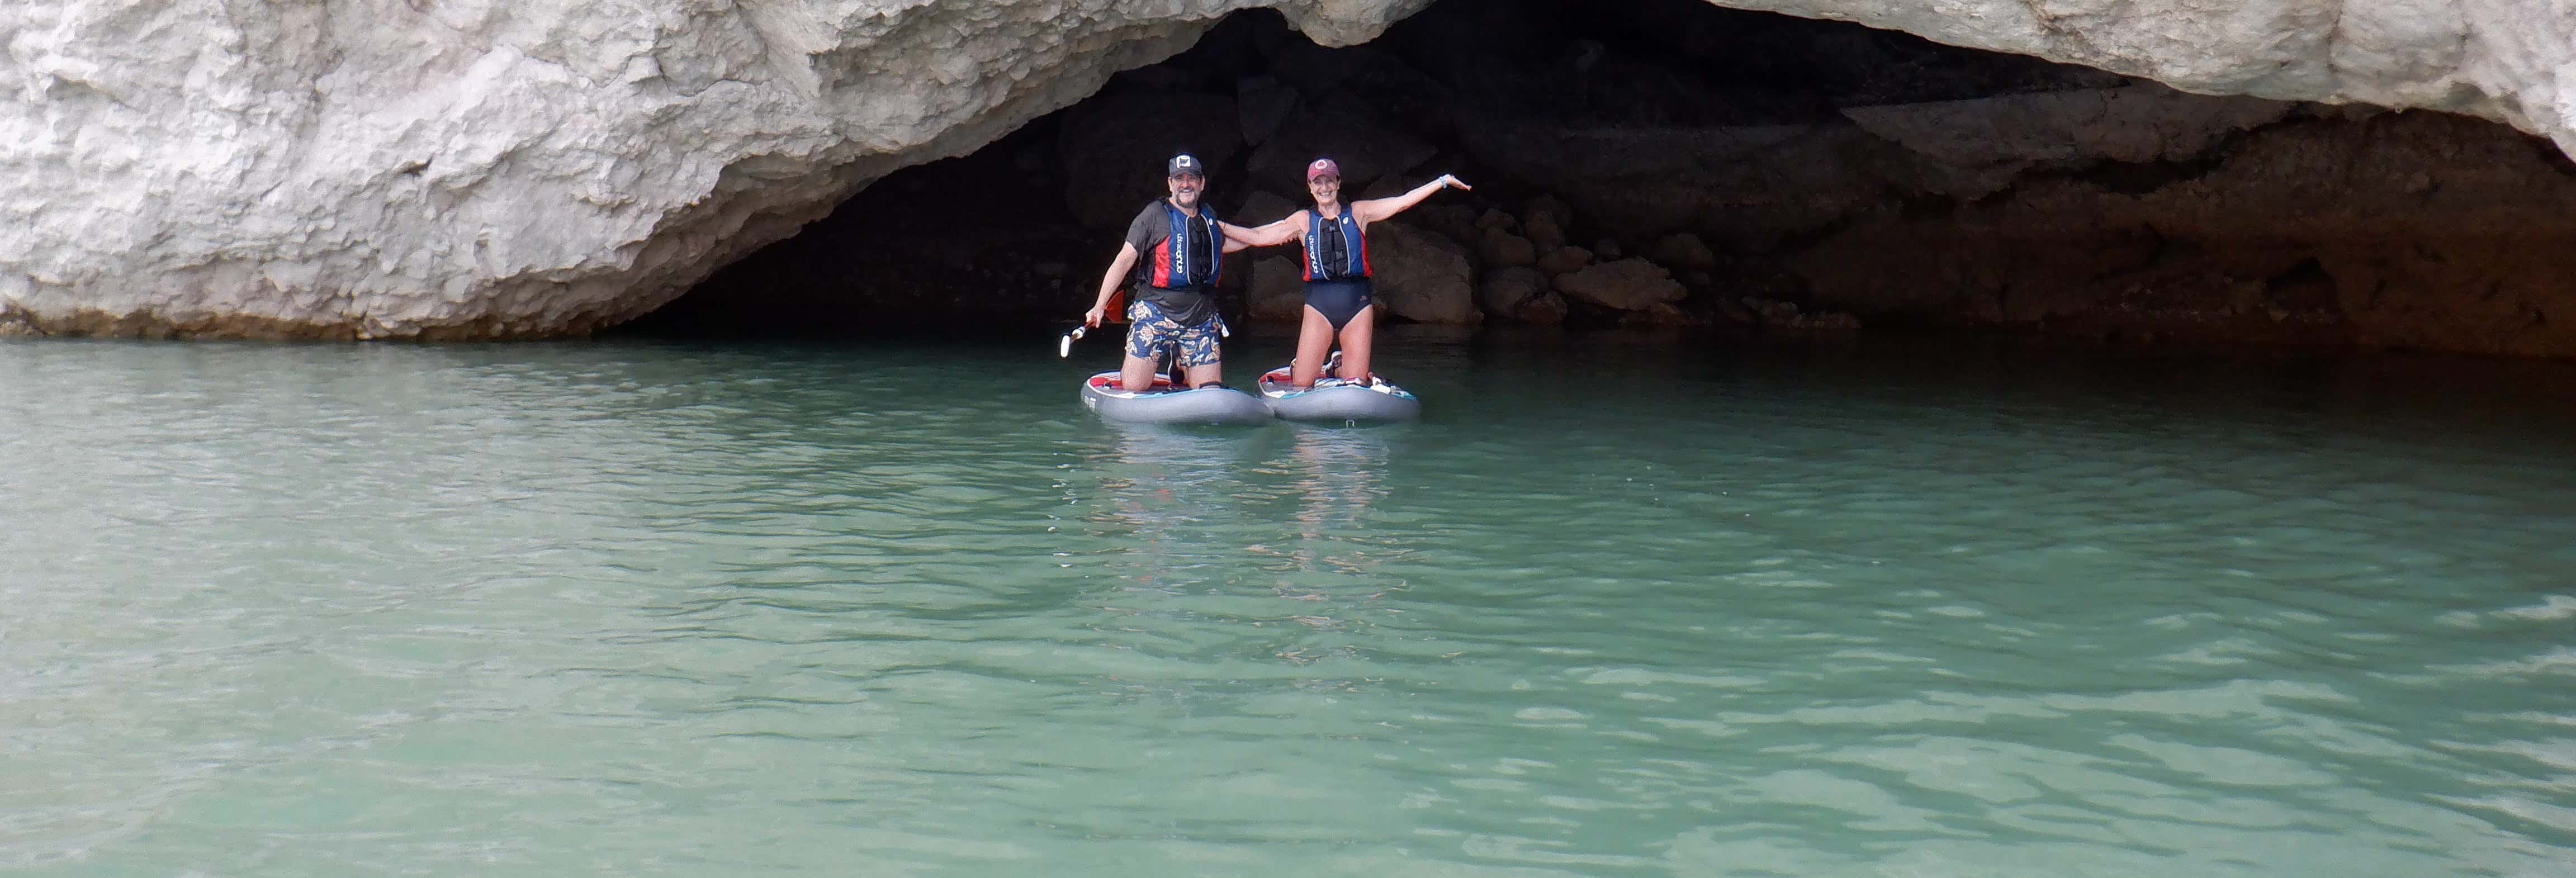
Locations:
{"points": [[1673, 164]]}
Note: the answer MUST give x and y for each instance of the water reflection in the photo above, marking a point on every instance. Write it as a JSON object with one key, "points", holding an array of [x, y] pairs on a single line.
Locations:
{"points": [[1343, 473]]}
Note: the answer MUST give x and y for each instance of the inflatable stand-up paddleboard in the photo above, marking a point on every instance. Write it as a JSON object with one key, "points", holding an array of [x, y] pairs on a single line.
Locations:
{"points": [[1330, 401], [1167, 403]]}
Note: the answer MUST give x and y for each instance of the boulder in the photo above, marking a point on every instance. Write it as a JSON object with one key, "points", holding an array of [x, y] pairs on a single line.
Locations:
{"points": [[1625, 285], [1543, 231], [1682, 252], [1786, 316], [1550, 209], [1278, 290], [1544, 309], [1504, 290], [1501, 249], [1454, 221], [1664, 314], [1557, 262], [1421, 276]]}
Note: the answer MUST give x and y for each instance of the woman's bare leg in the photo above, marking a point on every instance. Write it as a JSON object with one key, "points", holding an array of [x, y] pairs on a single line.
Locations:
{"points": [[1357, 336], [1314, 341]]}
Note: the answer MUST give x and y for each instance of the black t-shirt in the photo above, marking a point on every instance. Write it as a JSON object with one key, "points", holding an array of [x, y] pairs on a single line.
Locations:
{"points": [[1185, 305]]}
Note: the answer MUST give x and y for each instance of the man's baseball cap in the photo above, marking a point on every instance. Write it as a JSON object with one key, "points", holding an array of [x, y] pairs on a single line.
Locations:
{"points": [[1184, 163], [1323, 168]]}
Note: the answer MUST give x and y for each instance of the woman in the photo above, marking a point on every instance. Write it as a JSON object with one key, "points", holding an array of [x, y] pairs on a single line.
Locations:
{"points": [[1338, 301]]}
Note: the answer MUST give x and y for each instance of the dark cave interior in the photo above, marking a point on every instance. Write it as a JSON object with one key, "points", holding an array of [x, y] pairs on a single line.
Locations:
{"points": [[1669, 163]]}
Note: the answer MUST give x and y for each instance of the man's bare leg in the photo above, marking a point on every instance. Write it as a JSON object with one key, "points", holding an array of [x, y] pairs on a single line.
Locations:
{"points": [[1136, 374], [1211, 373]]}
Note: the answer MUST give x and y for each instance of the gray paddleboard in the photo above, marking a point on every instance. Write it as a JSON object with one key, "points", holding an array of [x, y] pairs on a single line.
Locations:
{"points": [[1165, 404], [1378, 402]]}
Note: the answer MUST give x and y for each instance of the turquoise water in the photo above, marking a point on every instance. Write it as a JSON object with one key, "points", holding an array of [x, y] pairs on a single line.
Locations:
{"points": [[1617, 607]]}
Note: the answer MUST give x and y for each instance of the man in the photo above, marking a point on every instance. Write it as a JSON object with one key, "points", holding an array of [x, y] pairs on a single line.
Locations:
{"points": [[1175, 302]]}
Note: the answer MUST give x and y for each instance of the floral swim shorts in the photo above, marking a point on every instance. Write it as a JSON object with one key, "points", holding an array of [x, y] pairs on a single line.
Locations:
{"points": [[1149, 331]]}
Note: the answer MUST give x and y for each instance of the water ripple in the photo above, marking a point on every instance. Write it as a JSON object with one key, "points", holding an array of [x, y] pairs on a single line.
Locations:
{"points": [[606, 609]]}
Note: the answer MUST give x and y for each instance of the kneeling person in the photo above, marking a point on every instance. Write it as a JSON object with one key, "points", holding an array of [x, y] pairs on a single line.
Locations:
{"points": [[1183, 244]]}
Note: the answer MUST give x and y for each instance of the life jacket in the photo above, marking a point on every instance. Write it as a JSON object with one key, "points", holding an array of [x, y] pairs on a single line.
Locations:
{"points": [[1176, 262], [1321, 263]]}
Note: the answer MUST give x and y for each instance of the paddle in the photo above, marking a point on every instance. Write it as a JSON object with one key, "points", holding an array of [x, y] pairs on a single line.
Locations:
{"points": [[1064, 347]]}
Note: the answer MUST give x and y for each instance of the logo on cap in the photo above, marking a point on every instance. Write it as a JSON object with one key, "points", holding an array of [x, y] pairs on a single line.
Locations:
{"points": [[1183, 164], [1323, 168]]}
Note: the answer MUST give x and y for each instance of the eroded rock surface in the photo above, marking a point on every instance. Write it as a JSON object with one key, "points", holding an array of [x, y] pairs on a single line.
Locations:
{"points": [[479, 169]]}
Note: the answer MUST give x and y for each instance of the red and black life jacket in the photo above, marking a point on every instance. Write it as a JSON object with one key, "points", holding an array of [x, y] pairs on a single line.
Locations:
{"points": [[1178, 261], [1331, 259]]}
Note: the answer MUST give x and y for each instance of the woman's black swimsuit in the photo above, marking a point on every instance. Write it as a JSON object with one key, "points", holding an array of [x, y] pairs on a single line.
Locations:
{"points": [[1338, 300]]}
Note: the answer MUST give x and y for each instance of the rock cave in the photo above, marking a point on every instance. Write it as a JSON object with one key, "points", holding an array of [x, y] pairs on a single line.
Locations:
{"points": [[1664, 163], [1677, 164]]}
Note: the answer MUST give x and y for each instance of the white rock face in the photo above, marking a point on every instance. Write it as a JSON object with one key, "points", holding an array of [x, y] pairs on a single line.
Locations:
{"points": [[507, 168]]}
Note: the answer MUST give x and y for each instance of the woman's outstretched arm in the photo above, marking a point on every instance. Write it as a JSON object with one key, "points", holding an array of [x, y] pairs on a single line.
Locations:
{"points": [[1265, 235], [1380, 208]]}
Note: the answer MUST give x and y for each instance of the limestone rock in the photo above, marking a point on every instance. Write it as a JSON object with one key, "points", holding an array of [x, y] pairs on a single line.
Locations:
{"points": [[1420, 276], [2138, 123], [1981, 144], [1625, 285], [489, 169], [2253, 247]]}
